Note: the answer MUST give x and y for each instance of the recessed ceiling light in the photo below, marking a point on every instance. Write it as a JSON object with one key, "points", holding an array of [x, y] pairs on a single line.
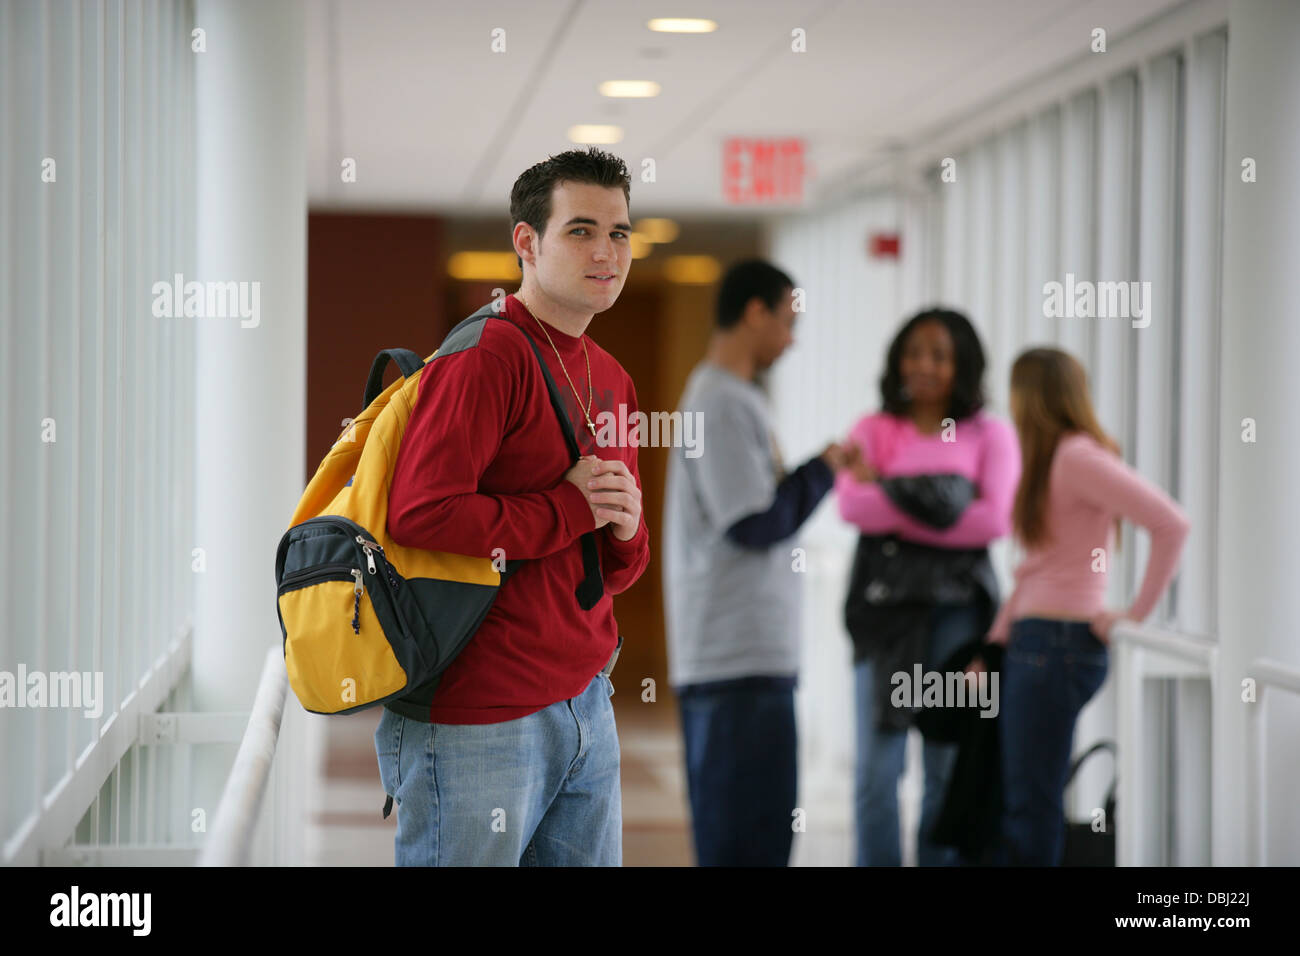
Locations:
{"points": [[657, 230], [681, 25], [692, 270], [595, 134], [483, 266], [629, 88]]}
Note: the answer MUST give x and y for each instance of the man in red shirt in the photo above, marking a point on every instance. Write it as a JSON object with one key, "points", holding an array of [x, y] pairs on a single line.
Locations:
{"points": [[513, 758]]}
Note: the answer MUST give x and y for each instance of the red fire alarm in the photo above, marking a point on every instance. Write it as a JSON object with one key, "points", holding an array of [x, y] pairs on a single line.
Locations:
{"points": [[882, 245]]}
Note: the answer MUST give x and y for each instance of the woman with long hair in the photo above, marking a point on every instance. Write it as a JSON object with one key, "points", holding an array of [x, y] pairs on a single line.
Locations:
{"points": [[1074, 488], [933, 488]]}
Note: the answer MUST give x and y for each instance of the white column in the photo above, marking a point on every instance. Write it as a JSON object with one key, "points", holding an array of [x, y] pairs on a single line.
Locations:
{"points": [[1198, 451], [1260, 351], [250, 381]]}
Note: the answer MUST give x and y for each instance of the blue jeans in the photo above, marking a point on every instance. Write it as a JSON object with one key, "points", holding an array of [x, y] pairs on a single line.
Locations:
{"points": [[881, 754], [542, 790], [740, 769], [1050, 670]]}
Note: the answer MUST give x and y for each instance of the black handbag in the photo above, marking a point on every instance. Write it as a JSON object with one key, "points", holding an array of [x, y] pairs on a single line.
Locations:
{"points": [[889, 572], [1083, 845], [894, 585], [938, 500]]}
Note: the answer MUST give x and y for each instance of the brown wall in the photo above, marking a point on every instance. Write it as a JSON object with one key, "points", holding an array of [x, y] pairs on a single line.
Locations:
{"points": [[373, 282], [631, 332]]}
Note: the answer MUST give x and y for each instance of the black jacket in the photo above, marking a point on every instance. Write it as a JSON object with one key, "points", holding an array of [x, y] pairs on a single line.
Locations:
{"points": [[895, 584], [972, 805]]}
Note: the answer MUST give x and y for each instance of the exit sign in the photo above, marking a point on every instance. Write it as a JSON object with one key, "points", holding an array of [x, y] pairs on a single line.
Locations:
{"points": [[762, 170]]}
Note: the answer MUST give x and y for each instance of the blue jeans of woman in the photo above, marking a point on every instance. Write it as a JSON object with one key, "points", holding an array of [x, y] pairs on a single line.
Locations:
{"points": [[881, 753], [1050, 670]]}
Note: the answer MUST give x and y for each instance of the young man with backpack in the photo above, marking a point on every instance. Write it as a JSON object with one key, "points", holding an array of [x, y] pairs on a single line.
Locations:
{"points": [[513, 758]]}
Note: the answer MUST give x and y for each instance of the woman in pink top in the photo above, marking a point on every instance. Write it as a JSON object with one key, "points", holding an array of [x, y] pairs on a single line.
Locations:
{"points": [[1074, 488], [935, 486]]}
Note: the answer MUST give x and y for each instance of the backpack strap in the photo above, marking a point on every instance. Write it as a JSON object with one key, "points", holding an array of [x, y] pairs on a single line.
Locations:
{"points": [[1108, 745], [592, 587], [407, 362]]}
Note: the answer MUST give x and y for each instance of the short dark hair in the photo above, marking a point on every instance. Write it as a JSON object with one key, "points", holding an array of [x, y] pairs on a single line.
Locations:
{"points": [[968, 357], [744, 281], [530, 197]]}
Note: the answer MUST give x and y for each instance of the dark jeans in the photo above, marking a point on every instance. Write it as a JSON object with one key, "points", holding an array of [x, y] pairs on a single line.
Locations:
{"points": [[1050, 670], [740, 769], [881, 753]]}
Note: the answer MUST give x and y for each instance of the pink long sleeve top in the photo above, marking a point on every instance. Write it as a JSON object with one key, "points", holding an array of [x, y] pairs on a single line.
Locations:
{"points": [[1065, 577], [983, 448]]}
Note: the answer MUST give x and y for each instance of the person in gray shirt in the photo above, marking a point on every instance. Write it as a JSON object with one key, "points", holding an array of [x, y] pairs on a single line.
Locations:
{"points": [[730, 586]]}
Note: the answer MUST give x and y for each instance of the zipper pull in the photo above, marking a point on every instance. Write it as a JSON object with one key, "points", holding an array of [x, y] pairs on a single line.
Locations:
{"points": [[356, 600], [370, 555]]}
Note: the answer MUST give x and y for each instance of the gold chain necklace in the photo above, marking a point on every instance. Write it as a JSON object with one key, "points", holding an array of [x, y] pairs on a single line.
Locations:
{"points": [[586, 413]]}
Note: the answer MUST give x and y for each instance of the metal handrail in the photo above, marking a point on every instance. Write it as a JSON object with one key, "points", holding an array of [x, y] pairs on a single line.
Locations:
{"points": [[54, 821], [1267, 673], [1196, 648], [1133, 641], [231, 837], [1276, 674]]}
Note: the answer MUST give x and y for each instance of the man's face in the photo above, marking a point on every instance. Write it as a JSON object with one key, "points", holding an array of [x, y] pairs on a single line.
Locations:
{"points": [[582, 260], [775, 330]]}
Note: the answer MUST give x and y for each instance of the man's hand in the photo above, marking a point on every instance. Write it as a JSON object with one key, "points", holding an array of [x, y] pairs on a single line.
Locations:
{"points": [[839, 457], [615, 497], [851, 458], [583, 471]]}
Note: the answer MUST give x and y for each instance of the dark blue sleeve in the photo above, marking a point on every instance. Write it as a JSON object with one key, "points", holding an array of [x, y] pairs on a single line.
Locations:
{"points": [[796, 497]]}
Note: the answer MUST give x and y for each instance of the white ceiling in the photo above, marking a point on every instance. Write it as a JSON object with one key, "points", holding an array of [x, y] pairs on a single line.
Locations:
{"points": [[436, 121]]}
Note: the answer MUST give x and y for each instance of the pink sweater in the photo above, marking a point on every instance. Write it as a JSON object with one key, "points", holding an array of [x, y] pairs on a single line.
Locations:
{"points": [[984, 450], [1088, 486]]}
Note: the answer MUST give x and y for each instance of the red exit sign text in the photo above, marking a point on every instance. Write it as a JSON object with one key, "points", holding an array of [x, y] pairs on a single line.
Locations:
{"points": [[762, 170]]}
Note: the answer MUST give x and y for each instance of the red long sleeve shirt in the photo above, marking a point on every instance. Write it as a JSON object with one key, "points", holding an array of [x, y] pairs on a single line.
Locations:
{"points": [[481, 467]]}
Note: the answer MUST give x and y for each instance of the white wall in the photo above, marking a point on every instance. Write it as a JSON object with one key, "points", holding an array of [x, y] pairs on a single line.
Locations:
{"points": [[251, 381], [1117, 178], [1258, 508], [95, 575]]}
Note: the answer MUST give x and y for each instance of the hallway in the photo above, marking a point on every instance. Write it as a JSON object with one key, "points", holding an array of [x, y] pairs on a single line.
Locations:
{"points": [[214, 214], [348, 829]]}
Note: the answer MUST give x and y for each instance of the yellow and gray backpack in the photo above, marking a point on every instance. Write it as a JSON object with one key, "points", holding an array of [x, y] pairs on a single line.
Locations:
{"points": [[364, 619]]}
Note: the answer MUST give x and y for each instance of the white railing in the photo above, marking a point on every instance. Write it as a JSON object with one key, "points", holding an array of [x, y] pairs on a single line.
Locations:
{"points": [[43, 838], [128, 800], [230, 841], [1267, 673], [1143, 653]]}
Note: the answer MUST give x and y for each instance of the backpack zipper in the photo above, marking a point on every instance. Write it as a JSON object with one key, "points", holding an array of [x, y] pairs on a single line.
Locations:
{"points": [[356, 600], [322, 572], [329, 572], [369, 547]]}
